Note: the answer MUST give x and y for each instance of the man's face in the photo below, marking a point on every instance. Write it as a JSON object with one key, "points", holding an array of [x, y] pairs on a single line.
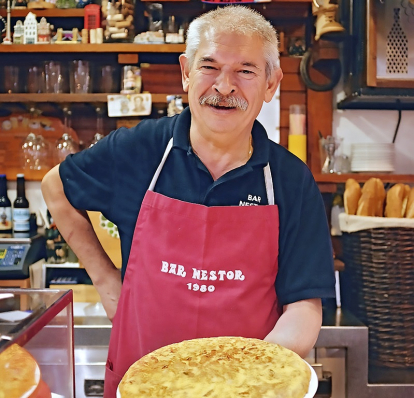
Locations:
{"points": [[227, 65]]}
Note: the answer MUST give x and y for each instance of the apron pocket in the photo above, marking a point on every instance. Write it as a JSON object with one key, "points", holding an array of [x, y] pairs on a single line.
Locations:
{"points": [[111, 381]]}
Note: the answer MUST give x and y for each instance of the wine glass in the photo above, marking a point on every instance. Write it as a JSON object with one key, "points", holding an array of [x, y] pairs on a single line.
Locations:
{"points": [[99, 134], [65, 145]]}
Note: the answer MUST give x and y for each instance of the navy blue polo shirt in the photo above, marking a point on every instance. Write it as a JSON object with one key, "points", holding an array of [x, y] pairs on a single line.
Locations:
{"points": [[113, 176]]}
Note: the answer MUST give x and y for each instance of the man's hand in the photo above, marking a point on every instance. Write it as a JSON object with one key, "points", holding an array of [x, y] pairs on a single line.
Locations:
{"points": [[109, 288], [298, 327]]}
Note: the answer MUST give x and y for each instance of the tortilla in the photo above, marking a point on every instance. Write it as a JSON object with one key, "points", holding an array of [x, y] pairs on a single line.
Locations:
{"points": [[19, 373], [218, 367]]}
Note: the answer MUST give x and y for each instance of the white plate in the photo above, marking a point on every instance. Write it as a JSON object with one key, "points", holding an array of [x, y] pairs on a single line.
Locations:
{"points": [[372, 166], [313, 385], [373, 157], [37, 381], [372, 145], [373, 169]]}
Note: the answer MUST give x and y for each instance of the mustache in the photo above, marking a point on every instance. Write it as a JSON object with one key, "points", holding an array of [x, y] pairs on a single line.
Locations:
{"points": [[224, 100]]}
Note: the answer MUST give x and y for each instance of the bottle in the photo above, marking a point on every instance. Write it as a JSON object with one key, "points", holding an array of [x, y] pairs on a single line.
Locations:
{"points": [[5, 207], [21, 212]]}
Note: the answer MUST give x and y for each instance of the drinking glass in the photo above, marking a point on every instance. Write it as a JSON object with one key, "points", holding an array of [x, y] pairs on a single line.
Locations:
{"points": [[106, 79], [54, 77], [11, 79], [35, 80], [80, 77]]}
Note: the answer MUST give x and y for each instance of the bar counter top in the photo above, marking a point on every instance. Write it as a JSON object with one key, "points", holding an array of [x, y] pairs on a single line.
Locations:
{"points": [[340, 329]]}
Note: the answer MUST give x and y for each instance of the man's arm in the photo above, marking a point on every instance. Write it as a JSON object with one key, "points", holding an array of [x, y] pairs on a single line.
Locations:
{"points": [[77, 230], [298, 327]]}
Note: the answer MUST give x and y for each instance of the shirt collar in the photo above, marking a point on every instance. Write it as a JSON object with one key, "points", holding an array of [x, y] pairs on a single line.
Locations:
{"points": [[181, 129]]}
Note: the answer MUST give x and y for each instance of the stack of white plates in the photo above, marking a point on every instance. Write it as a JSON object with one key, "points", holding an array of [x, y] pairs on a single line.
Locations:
{"points": [[372, 157]]}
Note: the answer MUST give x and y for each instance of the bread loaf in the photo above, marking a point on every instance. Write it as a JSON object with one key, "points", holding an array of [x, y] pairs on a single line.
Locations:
{"points": [[397, 198], [370, 199], [371, 202], [367, 205], [409, 211], [351, 196]]}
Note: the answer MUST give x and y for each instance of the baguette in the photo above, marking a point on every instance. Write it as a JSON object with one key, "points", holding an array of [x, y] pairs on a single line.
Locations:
{"points": [[371, 202], [409, 211], [367, 205], [396, 202], [351, 196]]}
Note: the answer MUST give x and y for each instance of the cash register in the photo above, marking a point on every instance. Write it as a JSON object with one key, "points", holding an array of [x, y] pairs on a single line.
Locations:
{"points": [[18, 252]]}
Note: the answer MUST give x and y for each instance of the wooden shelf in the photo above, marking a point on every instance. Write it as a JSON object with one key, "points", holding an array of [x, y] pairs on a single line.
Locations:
{"points": [[51, 12], [80, 12], [98, 97], [362, 177], [93, 48], [273, 1]]}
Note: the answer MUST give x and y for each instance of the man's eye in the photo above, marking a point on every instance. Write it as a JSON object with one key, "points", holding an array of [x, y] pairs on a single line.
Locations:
{"points": [[247, 72], [207, 67]]}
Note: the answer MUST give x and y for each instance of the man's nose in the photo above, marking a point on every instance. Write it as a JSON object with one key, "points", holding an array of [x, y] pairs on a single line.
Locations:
{"points": [[225, 84]]}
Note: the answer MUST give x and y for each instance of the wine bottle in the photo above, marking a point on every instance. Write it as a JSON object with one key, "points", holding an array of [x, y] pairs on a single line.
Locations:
{"points": [[21, 212], [5, 207]]}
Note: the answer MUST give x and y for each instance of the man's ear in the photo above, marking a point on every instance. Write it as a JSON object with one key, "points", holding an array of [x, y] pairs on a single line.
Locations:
{"points": [[185, 72], [273, 84]]}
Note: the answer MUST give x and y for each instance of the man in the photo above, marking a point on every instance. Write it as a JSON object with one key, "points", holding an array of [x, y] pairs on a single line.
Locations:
{"points": [[231, 236]]}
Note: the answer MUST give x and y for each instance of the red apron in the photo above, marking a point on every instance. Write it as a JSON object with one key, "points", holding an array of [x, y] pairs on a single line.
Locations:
{"points": [[194, 271]]}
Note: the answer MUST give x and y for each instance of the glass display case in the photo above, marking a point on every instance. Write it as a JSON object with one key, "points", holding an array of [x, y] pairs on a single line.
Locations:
{"points": [[41, 321]]}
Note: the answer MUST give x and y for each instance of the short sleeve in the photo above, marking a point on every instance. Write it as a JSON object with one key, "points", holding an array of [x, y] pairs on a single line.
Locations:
{"points": [[305, 247], [87, 176]]}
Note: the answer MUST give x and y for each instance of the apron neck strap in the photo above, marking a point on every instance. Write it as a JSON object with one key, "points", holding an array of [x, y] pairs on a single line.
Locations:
{"points": [[266, 171], [161, 165], [269, 185]]}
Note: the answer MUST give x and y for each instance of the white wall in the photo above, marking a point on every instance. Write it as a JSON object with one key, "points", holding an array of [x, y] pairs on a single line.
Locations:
{"points": [[356, 126]]}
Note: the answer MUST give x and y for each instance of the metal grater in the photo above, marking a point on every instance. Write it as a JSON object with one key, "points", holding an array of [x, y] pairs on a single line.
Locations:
{"points": [[397, 47]]}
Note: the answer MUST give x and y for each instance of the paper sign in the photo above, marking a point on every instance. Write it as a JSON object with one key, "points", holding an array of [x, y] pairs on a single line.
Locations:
{"points": [[234, 1], [129, 105]]}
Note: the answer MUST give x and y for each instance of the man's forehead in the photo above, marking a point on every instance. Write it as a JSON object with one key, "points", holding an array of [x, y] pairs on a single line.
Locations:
{"points": [[214, 44], [215, 32]]}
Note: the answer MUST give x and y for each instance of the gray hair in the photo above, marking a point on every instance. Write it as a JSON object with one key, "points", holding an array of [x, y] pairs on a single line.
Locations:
{"points": [[236, 19]]}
